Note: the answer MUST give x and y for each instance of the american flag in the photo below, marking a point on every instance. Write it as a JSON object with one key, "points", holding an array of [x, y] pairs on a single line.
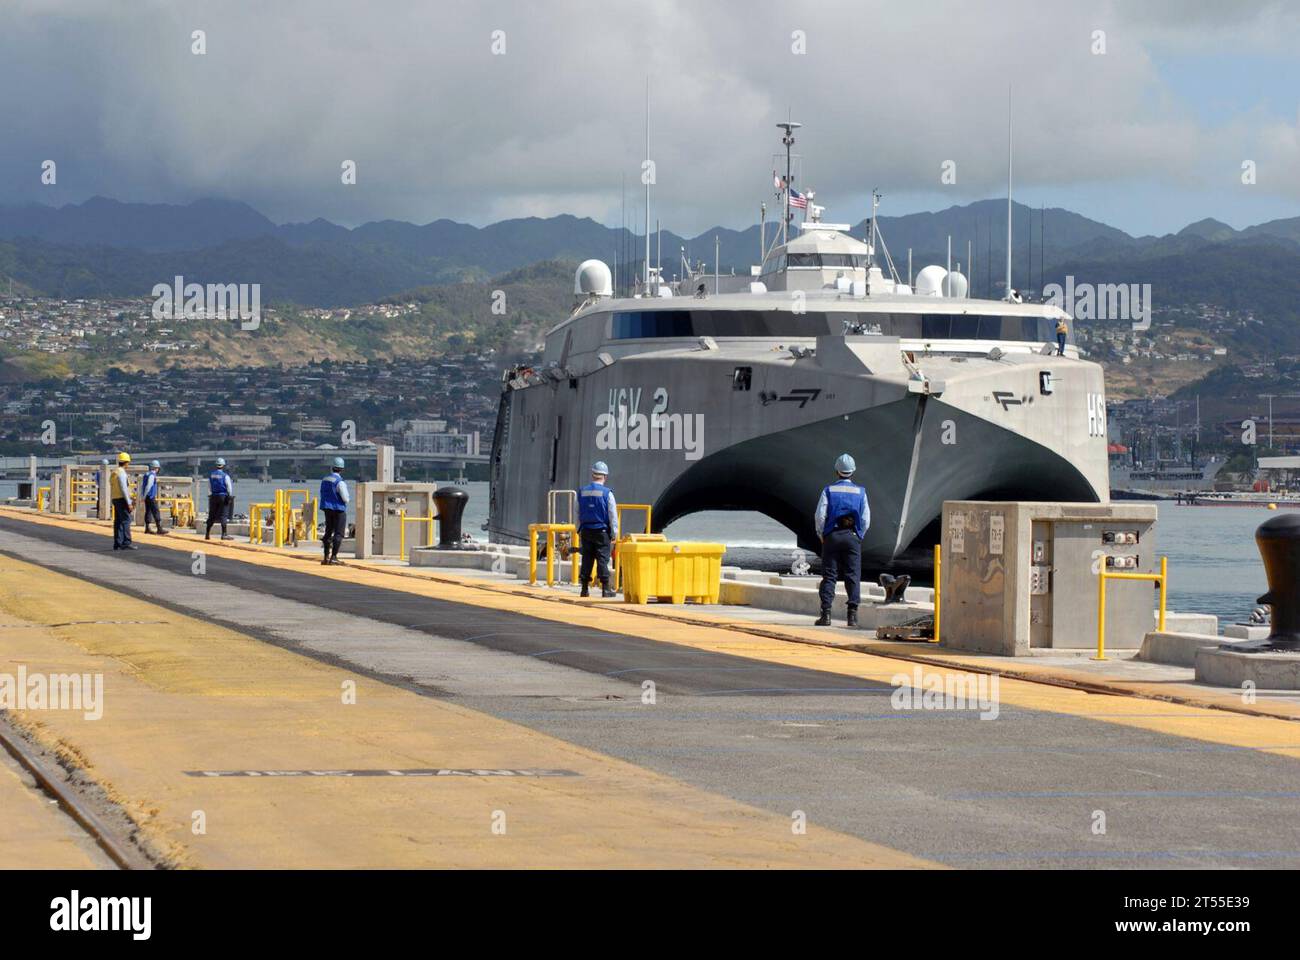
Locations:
{"points": [[798, 200]]}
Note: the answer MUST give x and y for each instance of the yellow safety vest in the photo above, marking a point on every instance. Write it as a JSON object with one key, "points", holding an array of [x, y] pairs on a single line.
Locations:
{"points": [[1061, 327], [117, 484]]}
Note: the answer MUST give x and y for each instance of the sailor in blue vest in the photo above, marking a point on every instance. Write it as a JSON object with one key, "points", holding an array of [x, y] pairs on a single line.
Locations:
{"points": [[149, 494], [221, 494], [597, 528], [842, 521], [334, 501]]}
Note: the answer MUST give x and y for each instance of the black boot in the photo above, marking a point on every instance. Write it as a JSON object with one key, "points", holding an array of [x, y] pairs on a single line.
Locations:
{"points": [[853, 616], [606, 592], [584, 592], [824, 620]]}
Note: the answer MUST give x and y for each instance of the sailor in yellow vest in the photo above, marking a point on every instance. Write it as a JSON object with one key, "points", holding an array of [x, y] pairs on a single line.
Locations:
{"points": [[120, 488], [1061, 332]]}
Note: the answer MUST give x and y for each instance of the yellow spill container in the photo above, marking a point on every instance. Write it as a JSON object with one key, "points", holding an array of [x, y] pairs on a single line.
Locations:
{"points": [[670, 572]]}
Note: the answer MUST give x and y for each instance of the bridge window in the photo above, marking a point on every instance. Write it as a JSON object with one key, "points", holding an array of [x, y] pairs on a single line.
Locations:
{"points": [[832, 261], [654, 324]]}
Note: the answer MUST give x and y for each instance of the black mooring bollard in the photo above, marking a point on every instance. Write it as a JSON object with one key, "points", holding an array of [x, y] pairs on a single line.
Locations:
{"points": [[1278, 540], [450, 505]]}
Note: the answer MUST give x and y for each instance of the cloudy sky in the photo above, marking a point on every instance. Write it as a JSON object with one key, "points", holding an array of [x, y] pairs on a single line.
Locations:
{"points": [[1148, 136]]}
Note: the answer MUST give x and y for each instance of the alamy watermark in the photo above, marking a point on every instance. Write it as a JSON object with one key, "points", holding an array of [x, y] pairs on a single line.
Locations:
{"points": [[625, 428], [219, 301], [946, 691], [53, 691], [655, 431], [75, 913], [1102, 301]]}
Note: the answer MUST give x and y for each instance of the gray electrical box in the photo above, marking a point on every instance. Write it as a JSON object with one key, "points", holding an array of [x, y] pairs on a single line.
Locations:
{"points": [[381, 508], [1021, 575]]}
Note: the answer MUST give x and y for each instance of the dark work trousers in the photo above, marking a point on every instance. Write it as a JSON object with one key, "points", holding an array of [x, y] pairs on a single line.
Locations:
{"points": [[218, 505], [151, 513], [841, 557], [595, 550], [121, 524], [336, 522], [1060, 344]]}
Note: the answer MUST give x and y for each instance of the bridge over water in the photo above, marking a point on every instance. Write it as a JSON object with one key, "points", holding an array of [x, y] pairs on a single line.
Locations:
{"points": [[195, 461]]}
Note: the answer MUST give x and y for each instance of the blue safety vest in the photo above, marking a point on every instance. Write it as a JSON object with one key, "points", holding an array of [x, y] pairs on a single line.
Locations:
{"points": [[149, 486], [593, 507], [219, 483], [329, 493], [844, 498]]}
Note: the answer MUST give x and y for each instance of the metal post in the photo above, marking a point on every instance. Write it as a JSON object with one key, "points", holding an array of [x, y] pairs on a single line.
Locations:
{"points": [[938, 587], [1164, 591], [1101, 614], [1008, 291]]}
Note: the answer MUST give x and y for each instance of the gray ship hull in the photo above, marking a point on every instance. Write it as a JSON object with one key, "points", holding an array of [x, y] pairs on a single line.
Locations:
{"points": [[975, 429]]}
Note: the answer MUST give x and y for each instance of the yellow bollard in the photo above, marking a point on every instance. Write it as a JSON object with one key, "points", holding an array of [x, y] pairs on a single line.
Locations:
{"points": [[938, 575], [1164, 591], [550, 529], [1161, 580], [1101, 612]]}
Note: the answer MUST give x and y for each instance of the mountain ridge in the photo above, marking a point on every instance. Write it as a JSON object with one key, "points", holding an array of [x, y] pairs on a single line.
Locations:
{"points": [[106, 247]]}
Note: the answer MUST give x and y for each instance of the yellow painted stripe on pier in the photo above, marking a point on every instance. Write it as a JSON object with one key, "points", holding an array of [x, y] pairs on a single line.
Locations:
{"points": [[183, 695]]}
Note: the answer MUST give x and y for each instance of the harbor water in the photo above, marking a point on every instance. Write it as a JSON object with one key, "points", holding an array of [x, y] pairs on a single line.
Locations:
{"points": [[1214, 566]]}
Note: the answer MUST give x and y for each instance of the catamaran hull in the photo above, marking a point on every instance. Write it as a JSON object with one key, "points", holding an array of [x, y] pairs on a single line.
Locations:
{"points": [[764, 451]]}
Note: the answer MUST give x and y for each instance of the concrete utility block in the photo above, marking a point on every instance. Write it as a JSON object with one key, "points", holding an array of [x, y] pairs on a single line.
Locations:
{"points": [[753, 576], [462, 559], [1175, 648], [1273, 670], [1023, 575], [1246, 631], [805, 601], [1205, 623]]}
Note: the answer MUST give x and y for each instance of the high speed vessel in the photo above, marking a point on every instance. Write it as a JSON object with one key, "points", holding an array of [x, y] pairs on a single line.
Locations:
{"points": [[704, 399]]}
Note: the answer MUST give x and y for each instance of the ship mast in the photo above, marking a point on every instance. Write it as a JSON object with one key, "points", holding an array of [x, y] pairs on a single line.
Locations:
{"points": [[1008, 292], [788, 139], [647, 177]]}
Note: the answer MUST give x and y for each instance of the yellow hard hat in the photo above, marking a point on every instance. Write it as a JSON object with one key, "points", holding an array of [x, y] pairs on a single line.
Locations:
{"points": [[124, 457]]}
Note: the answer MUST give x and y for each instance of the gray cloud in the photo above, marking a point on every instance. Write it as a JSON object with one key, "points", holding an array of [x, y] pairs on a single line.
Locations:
{"points": [[440, 127]]}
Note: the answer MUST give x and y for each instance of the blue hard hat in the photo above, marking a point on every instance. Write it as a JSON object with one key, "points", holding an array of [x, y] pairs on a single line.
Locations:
{"points": [[221, 461], [338, 463], [845, 466], [155, 463], [600, 467]]}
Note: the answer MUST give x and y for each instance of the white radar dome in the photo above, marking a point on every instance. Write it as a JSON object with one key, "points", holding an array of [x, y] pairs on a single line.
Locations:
{"points": [[957, 285], [593, 277], [929, 282]]}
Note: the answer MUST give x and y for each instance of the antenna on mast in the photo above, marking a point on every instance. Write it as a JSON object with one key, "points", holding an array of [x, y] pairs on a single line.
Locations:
{"points": [[645, 175], [1008, 293], [788, 139]]}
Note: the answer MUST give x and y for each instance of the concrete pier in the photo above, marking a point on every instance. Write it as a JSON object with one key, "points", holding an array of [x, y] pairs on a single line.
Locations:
{"points": [[401, 705]]}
